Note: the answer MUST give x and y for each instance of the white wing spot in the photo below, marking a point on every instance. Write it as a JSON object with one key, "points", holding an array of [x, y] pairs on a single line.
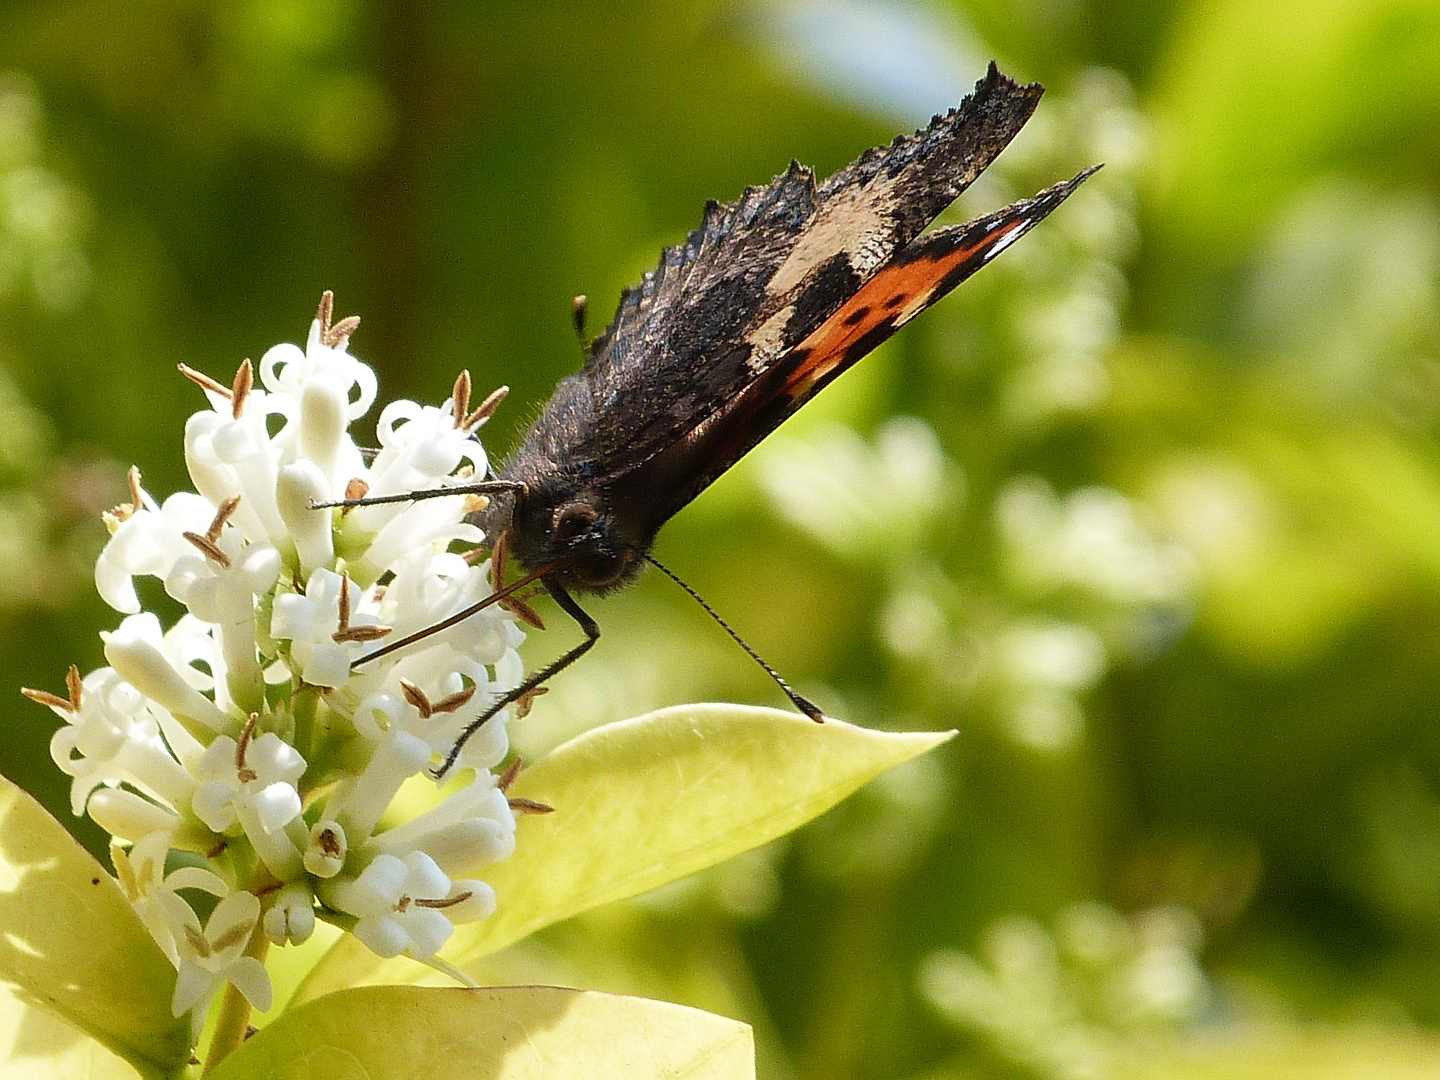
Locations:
{"points": [[1008, 239]]}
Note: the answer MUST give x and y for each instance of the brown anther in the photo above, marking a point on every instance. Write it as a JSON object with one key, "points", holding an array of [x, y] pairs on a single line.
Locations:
{"points": [[498, 551], [403, 905], [508, 776], [486, 408], [345, 601], [73, 684], [330, 336], [460, 397], [524, 612], [204, 381], [222, 515], [361, 633], [44, 697], [196, 940], [473, 555], [234, 936], [125, 511], [243, 770], [449, 901], [329, 843], [240, 389], [530, 806], [378, 593], [416, 697], [266, 890], [355, 488], [209, 548], [455, 701], [527, 699]]}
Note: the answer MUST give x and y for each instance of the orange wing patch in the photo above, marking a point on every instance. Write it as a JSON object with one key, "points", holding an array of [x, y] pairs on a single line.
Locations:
{"points": [[921, 274]]}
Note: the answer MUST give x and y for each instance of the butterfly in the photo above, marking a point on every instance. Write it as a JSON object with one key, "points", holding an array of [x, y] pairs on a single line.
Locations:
{"points": [[762, 306]]}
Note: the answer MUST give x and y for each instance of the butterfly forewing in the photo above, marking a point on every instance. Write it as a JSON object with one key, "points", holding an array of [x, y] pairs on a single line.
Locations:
{"points": [[760, 275]]}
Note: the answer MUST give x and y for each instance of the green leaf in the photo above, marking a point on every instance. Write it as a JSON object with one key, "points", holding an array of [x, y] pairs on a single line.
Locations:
{"points": [[71, 943], [35, 1044], [646, 801], [510, 1033]]}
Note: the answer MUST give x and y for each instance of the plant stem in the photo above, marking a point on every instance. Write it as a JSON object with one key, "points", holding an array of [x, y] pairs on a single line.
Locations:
{"points": [[233, 1023]]}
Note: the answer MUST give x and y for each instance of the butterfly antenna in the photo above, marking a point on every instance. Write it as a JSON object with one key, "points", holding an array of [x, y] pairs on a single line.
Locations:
{"points": [[578, 308], [806, 706]]}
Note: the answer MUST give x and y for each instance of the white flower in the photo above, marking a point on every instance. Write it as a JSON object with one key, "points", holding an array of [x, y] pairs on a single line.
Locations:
{"points": [[309, 621], [470, 829], [254, 788], [152, 892], [215, 956], [290, 919], [400, 905]]}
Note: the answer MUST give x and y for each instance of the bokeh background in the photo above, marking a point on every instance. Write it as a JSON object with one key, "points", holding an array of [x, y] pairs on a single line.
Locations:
{"points": [[1149, 510]]}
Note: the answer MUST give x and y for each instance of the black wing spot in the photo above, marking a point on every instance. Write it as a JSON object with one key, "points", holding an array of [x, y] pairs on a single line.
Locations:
{"points": [[857, 316], [867, 342], [895, 301]]}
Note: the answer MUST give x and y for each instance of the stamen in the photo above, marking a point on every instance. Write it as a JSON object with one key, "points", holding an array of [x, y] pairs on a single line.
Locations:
{"points": [[331, 336], [362, 633], [73, 684], [460, 398], [345, 601], [451, 901], [454, 701], [208, 547], [530, 806], [197, 941], [508, 776], [234, 936], [204, 381], [527, 699], [416, 697], [242, 770], [354, 489], [44, 697], [125, 511], [240, 390], [486, 408], [222, 515]]}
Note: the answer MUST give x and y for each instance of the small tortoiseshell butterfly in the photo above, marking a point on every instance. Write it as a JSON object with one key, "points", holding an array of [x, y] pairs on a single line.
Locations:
{"points": [[764, 304]]}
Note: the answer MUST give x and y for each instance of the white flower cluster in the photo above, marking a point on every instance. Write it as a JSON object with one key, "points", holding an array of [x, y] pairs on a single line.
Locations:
{"points": [[240, 747]]}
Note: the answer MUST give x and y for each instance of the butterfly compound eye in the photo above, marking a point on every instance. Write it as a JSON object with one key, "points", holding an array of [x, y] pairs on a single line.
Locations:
{"points": [[573, 519]]}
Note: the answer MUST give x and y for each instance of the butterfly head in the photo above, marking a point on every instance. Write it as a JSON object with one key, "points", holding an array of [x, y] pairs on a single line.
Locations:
{"points": [[575, 530]]}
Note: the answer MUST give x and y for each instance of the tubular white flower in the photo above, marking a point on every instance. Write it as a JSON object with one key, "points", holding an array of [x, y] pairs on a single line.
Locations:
{"points": [[309, 621], [325, 854], [114, 738], [136, 650], [215, 956], [148, 542], [473, 901], [324, 416], [471, 828], [129, 816], [383, 897], [357, 806], [141, 872], [301, 484], [291, 918], [257, 794]]}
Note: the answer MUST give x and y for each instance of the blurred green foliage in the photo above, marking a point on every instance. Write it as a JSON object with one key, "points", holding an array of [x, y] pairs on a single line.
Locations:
{"points": [[1150, 510]]}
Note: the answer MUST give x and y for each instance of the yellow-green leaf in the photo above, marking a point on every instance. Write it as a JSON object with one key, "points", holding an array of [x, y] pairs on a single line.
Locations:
{"points": [[643, 802], [510, 1033], [70, 943]]}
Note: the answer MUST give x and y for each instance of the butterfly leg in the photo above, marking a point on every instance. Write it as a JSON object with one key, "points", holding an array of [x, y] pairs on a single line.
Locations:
{"points": [[592, 634]]}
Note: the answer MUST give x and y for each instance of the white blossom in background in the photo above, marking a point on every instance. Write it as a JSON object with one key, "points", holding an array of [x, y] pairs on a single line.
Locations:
{"points": [[240, 745]]}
